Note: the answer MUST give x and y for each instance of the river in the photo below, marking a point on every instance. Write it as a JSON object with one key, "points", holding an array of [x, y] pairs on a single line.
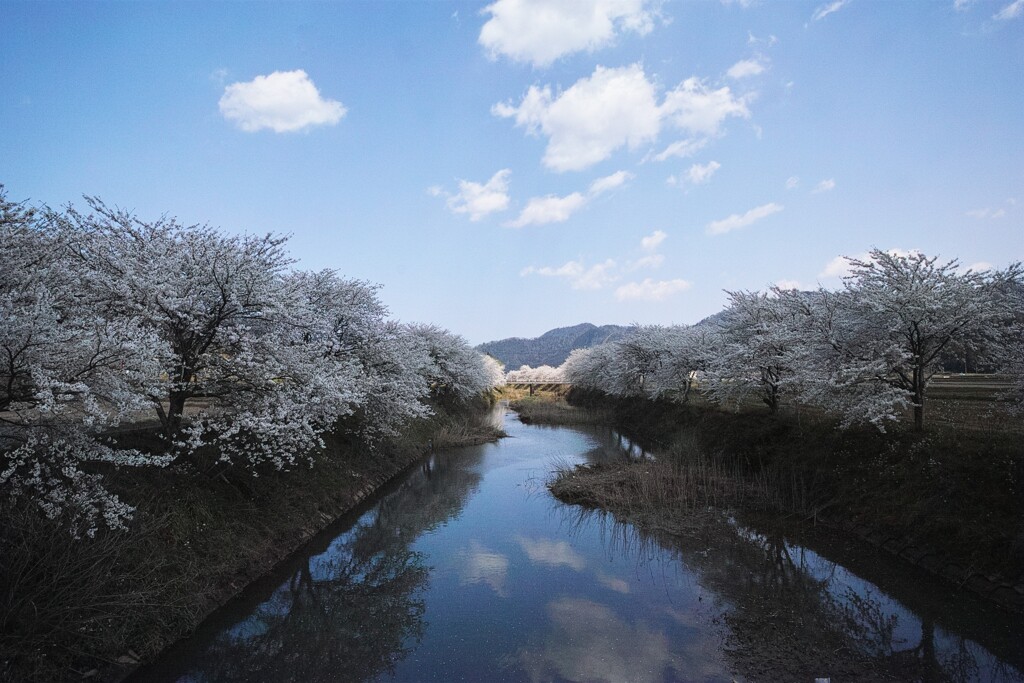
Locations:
{"points": [[466, 569]]}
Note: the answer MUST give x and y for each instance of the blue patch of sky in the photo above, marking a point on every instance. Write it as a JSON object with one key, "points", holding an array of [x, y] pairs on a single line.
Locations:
{"points": [[913, 110]]}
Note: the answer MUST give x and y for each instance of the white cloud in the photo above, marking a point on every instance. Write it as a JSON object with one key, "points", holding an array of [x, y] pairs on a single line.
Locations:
{"points": [[578, 275], [651, 290], [609, 182], [555, 209], [745, 68], [825, 10], [787, 284], [616, 108], [649, 261], [541, 31], [839, 267], [284, 102], [695, 108], [1011, 11], [682, 148], [594, 117], [961, 5], [979, 267], [698, 174], [987, 212], [792, 182], [478, 199], [754, 40], [653, 241], [549, 209], [736, 221], [219, 76], [824, 186]]}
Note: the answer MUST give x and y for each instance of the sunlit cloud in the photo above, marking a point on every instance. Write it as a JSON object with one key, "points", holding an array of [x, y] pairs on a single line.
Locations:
{"points": [[577, 273], [827, 9], [993, 213], [824, 186], [651, 290], [649, 261], [839, 267], [697, 174], [681, 148], [477, 199], [555, 209], [541, 31], [594, 117], [654, 240], [284, 102], [548, 209], [792, 182], [609, 182], [615, 108], [745, 68], [736, 220], [1011, 11]]}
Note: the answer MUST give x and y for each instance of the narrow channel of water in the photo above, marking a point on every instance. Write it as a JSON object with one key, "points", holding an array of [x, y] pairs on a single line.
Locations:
{"points": [[468, 570]]}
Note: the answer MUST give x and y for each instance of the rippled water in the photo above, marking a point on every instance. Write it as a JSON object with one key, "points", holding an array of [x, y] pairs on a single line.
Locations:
{"points": [[466, 569]]}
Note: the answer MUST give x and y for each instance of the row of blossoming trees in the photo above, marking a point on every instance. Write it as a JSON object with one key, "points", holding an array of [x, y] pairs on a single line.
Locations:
{"points": [[865, 353], [105, 319]]}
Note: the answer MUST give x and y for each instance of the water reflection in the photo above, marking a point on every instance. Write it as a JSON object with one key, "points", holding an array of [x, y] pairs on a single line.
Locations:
{"points": [[589, 642], [467, 571], [790, 612]]}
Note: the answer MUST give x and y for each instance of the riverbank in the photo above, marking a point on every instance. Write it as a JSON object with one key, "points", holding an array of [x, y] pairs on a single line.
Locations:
{"points": [[96, 608], [947, 500]]}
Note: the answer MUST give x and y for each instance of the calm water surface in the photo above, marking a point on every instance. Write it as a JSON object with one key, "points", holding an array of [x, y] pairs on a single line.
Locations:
{"points": [[467, 570]]}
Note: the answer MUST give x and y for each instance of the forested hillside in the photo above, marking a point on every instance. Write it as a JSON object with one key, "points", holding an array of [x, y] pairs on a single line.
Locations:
{"points": [[552, 347]]}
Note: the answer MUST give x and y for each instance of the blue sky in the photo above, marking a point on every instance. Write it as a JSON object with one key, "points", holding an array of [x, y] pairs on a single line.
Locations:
{"points": [[505, 168]]}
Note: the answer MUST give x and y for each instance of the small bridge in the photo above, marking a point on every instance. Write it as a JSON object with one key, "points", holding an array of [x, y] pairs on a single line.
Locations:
{"points": [[554, 387]]}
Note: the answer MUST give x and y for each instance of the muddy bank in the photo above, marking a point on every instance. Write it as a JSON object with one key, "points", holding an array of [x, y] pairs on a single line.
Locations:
{"points": [[96, 608]]}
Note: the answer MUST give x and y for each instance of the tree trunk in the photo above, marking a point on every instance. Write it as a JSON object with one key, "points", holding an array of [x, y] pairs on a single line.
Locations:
{"points": [[173, 418], [918, 399]]}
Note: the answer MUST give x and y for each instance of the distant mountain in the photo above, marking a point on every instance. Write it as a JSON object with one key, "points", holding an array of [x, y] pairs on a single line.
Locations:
{"points": [[551, 348]]}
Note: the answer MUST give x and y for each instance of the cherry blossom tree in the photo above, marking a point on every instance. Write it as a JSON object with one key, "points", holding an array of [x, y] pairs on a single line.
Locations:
{"points": [[754, 357], [455, 371], [66, 375], [351, 322], [231, 335], [539, 375], [899, 314], [596, 368], [1009, 357], [685, 353]]}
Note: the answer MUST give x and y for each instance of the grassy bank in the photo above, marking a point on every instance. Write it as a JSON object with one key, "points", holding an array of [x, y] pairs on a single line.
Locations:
{"points": [[951, 500], [551, 408], [96, 607]]}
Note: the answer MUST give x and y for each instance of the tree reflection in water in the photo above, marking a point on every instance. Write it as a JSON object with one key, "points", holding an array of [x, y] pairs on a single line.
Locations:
{"points": [[790, 613], [353, 611]]}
